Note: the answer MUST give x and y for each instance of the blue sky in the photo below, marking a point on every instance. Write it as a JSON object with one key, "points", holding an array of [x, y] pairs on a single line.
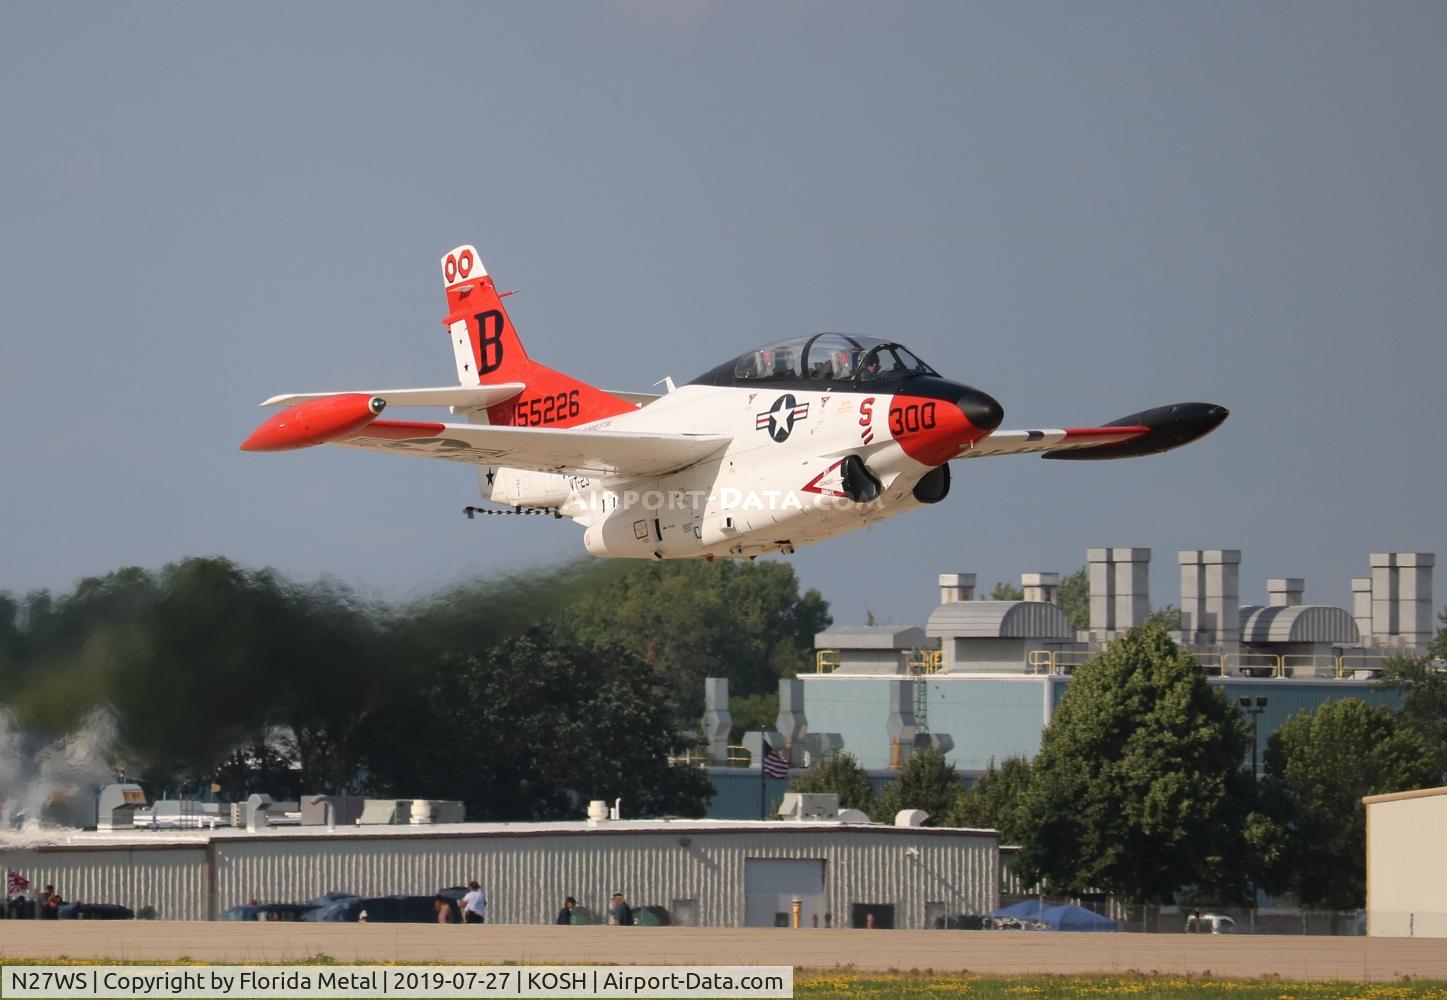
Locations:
{"points": [[1082, 209]]}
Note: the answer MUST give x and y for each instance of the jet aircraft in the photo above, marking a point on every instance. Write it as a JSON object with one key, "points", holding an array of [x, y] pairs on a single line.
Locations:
{"points": [[780, 447]]}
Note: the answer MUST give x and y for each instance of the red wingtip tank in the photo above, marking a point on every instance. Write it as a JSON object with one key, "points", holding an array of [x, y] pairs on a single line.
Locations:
{"points": [[316, 421]]}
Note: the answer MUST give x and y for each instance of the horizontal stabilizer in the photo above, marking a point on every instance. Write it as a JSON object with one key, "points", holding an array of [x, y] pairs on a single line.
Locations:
{"points": [[638, 399], [463, 397]]}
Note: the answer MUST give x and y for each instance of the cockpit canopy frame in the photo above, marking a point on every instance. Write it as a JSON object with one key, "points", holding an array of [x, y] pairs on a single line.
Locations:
{"points": [[823, 358]]}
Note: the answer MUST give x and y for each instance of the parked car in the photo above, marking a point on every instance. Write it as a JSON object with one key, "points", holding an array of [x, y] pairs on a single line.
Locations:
{"points": [[288, 912], [379, 910], [95, 911], [1210, 923]]}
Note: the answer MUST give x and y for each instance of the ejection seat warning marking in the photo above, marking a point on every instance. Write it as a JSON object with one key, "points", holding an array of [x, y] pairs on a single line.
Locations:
{"points": [[244, 982]]}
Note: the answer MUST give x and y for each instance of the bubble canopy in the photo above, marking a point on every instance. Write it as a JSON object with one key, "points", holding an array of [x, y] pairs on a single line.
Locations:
{"points": [[824, 357]]}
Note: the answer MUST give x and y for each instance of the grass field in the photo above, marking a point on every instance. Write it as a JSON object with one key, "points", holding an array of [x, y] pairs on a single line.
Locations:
{"points": [[828, 985]]}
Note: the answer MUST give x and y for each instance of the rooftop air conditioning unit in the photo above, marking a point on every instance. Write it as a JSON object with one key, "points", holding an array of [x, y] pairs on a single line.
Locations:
{"points": [[809, 805]]}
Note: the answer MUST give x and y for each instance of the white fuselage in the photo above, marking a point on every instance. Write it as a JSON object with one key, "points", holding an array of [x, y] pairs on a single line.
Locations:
{"points": [[775, 487]]}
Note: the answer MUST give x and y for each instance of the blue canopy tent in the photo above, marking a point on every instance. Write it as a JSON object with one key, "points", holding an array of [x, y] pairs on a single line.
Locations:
{"points": [[1026, 909], [1058, 918]]}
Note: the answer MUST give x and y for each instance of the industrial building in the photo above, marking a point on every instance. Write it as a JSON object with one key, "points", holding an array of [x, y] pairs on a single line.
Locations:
{"points": [[1406, 867], [979, 680], [693, 872]]}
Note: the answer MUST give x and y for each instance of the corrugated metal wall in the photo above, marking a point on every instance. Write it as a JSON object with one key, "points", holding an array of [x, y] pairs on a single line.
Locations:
{"points": [[1407, 867], [526, 876], [173, 880], [736, 794]]}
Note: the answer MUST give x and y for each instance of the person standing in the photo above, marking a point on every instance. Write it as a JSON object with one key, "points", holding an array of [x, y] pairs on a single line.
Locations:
{"points": [[50, 903], [474, 905], [565, 915], [621, 914]]}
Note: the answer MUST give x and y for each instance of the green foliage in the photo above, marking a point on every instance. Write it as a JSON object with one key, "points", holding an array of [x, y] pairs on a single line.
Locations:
{"points": [[1167, 617], [198, 658], [1424, 702], [845, 984], [533, 726], [925, 782], [1310, 833], [1138, 788], [1006, 592], [841, 774], [1437, 648], [692, 619], [1073, 597], [997, 801], [753, 713], [260, 768]]}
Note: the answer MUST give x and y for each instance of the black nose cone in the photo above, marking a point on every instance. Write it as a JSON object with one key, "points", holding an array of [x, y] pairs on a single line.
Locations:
{"points": [[981, 409]]}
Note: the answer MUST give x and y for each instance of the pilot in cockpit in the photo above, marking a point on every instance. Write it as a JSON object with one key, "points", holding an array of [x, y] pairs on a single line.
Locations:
{"points": [[783, 362], [755, 365]]}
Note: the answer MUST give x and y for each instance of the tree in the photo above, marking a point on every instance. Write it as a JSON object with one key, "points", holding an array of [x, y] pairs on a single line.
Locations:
{"points": [[1319, 764], [535, 726], [841, 774], [926, 781], [753, 713], [261, 767], [1139, 788], [1006, 592], [1073, 597], [997, 800], [692, 619], [1437, 648], [1167, 616], [1424, 701], [198, 657]]}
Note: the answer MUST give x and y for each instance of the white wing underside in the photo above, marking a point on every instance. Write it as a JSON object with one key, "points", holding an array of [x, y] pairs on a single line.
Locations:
{"points": [[1026, 441], [607, 454]]}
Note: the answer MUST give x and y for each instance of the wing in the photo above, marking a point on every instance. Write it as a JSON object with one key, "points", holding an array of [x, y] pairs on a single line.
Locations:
{"points": [[1050, 440], [542, 449], [1148, 432], [462, 397]]}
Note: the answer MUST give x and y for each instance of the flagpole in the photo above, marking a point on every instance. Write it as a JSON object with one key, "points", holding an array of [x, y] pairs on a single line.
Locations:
{"points": [[762, 754]]}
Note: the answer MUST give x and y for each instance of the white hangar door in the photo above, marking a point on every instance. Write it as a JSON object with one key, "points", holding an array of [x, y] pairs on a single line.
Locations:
{"points": [[770, 885]]}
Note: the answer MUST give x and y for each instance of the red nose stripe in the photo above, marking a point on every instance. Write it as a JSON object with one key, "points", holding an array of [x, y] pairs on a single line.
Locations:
{"points": [[313, 422], [931, 431]]}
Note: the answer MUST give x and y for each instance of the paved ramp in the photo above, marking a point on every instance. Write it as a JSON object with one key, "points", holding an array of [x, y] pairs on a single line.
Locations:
{"points": [[990, 952]]}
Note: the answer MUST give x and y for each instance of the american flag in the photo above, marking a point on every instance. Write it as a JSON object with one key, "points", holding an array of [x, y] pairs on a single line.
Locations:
{"points": [[775, 766], [15, 882]]}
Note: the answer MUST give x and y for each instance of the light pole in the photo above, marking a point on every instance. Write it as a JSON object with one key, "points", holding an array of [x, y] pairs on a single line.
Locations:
{"points": [[1254, 710]]}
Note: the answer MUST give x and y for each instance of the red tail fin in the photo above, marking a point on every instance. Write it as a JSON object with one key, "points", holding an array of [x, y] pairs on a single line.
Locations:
{"points": [[488, 349]]}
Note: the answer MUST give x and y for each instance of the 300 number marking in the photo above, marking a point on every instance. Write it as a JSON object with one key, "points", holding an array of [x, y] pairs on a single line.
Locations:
{"points": [[912, 418]]}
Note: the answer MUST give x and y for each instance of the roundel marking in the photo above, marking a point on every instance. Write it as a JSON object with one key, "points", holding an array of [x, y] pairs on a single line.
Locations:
{"points": [[779, 419]]}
